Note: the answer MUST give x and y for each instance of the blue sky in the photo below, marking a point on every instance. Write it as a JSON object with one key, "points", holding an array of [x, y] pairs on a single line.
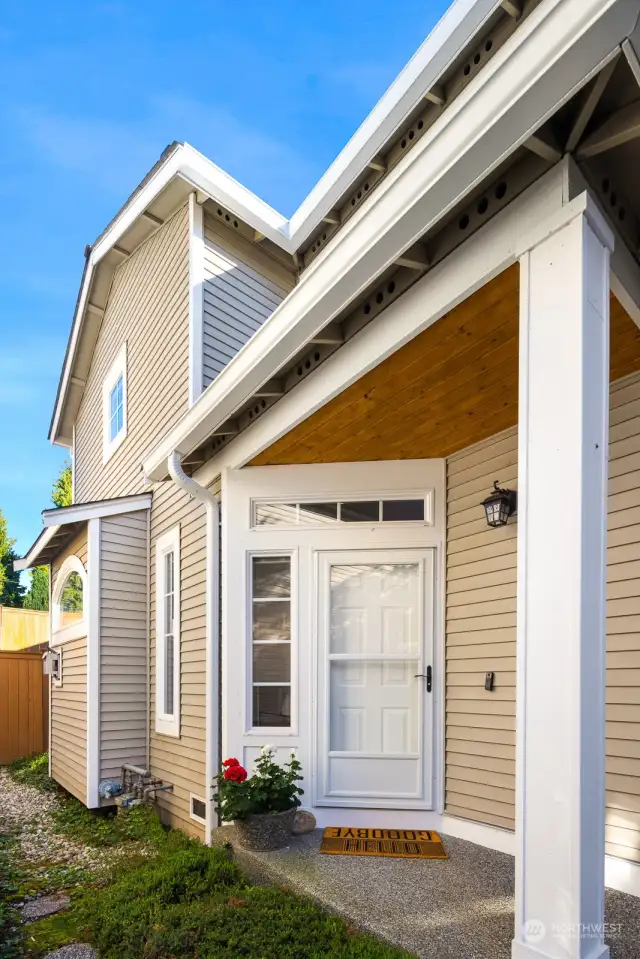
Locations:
{"points": [[91, 93]]}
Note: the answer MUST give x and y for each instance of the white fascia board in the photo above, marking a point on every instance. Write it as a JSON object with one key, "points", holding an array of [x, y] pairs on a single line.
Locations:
{"points": [[548, 58], [88, 511], [31, 559], [203, 175], [486, 254], [451, 34]]}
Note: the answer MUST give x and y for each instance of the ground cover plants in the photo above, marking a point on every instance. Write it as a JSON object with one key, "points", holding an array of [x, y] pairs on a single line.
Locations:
{"points": [[140, 891]]}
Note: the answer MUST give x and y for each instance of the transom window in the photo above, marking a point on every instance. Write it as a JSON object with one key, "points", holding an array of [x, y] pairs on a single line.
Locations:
{"points": [[271, 640], [343, 511], [116, 407]]}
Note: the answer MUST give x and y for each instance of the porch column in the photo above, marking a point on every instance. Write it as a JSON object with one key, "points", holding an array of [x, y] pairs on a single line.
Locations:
{"points": [[562, 480]]}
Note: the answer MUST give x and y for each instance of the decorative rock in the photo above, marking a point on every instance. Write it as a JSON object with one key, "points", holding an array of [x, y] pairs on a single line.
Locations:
{"points": [[45, 906], [77, 950], [304, 822]]}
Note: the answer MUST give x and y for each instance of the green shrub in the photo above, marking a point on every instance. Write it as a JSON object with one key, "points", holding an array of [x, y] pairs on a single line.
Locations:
{"points": [[192, 901]]}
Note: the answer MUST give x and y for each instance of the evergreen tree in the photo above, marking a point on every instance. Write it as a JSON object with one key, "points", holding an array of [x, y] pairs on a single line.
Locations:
{"points": [[62, 492], [12, 590], [37, 596], [5, 546]]}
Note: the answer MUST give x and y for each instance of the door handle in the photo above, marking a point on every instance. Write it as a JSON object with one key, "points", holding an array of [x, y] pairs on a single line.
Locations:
{"points": [[427, 676]]}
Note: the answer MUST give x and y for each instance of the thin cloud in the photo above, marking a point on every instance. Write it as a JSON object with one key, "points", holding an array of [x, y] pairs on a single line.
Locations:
{"points": [[115, 155]]}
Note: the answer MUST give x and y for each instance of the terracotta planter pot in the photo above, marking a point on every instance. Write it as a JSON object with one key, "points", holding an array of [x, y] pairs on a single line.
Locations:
{"points": [[269, 830]]}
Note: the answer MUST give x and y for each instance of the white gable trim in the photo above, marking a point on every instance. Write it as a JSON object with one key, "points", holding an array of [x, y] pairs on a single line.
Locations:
{"points": [[86, 511]]}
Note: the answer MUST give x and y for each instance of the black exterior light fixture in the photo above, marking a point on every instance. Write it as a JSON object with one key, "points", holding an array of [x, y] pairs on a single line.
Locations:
{"points": [[500, 505]]}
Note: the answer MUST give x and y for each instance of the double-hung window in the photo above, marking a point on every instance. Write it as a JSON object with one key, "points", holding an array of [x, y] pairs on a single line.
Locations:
{"points": [[167, 596], [114, 404]]}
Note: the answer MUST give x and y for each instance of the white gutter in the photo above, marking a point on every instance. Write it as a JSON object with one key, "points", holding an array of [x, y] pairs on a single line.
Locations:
{"points": [[212, 629], [552, 55]]}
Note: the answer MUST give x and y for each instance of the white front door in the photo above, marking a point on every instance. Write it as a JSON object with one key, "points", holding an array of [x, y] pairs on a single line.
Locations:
{"points": [[375, 646]]}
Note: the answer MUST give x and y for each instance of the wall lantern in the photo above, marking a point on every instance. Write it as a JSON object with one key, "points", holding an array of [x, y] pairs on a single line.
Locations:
{"points": [[500, 505]]}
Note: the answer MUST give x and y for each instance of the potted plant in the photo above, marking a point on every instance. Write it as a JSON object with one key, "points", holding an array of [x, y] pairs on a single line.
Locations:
{"points": [[263, 807]]}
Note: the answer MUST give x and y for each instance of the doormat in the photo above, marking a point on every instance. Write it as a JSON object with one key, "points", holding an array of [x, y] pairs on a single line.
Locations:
{"points": [[404, 843]]}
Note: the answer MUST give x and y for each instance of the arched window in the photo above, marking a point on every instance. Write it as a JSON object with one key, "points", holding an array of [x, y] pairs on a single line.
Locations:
{"points": [[69, 601]]}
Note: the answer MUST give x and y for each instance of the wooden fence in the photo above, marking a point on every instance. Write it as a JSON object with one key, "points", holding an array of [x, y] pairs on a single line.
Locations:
{"points": [[24, 705]]}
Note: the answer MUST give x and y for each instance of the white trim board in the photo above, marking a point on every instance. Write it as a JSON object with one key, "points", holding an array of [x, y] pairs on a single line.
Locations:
{"points": [[117, 371], [41, 543], [196, 299], [93, 664], [168, 724], [101, 508]]}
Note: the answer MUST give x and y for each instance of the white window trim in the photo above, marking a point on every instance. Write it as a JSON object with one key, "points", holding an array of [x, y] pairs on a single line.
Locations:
{"points": [[167, 725], [292, 728], [72, 564], [118, 369], [192, 815]]}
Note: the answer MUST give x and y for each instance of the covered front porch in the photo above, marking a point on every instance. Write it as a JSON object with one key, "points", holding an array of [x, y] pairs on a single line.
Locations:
{"points": [[460, 908], [513, 382]]}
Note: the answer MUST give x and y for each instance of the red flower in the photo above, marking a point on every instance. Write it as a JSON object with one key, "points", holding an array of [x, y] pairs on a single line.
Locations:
{"points": [[231, 762], [237, 774]]}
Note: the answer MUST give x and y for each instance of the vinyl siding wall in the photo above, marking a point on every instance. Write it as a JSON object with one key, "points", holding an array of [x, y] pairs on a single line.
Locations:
{"points": [[181, 761], [148, 308], [242, 288], [480, 636], [124, 555], [481, 632], [69, 700]]}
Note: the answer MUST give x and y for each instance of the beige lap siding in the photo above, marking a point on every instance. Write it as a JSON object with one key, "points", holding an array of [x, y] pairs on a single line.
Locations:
{"points": [[481, 632], [622, 829], [124, 564], [181, 761], [69, 701], [148, 308], [480, 636]]}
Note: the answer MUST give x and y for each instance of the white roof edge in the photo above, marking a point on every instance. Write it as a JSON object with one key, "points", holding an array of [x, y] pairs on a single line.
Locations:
{"points": [[460, 22], [451, 34], [454, 30], [483, 110], [43, 540], [80, 512]]}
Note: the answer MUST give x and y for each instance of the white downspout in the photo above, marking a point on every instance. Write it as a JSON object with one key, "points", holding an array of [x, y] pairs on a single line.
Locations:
{"points": [[212, 619]]}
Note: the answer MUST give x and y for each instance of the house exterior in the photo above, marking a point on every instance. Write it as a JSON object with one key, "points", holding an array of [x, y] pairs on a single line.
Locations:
{"points": [[283, 432]]}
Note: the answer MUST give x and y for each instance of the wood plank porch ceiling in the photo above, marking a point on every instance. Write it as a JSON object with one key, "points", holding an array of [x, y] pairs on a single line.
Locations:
{"points": [[453, 385]]}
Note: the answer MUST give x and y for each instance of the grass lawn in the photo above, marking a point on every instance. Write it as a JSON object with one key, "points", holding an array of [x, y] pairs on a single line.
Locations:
{"points": [[171, 897]]}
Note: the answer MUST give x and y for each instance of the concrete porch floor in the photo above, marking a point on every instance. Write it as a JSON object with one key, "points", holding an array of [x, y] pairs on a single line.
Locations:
{"points": [[460, 908]]}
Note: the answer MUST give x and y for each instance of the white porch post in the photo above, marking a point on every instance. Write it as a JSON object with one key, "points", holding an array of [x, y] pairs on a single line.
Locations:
{"points": [[562, 468]]}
